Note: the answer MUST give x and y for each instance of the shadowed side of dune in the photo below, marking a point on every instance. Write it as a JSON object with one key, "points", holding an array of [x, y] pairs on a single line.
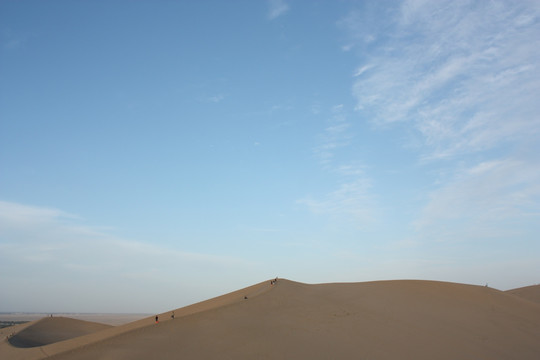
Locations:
{"points": [[531, 293], [376, 320], [50, 330]]}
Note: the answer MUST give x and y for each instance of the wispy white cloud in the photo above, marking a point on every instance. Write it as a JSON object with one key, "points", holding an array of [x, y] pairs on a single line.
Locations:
{"points": [[16, 214], [362, 69], [212, 99], [352, 199], [33, 229], [44, 243], [491, 199], [347, 47], [277, 8], [464, 74], [216, 98], [336, 135]]}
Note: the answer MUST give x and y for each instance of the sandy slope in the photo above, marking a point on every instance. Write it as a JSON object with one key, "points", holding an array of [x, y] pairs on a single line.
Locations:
{"points": [[374, 320], [531, 293], [8, 351], [53, 329]]}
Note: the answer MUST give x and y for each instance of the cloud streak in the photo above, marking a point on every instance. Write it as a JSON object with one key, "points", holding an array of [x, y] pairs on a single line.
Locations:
{"points": [[277, 8], [491, 199], [43, 243], [463, 74], [351, 200], [336, 135]]}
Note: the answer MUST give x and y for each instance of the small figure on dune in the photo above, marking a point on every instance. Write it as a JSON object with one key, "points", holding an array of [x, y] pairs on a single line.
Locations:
{"points": [[172, 316], [245, 297], [157, 319]]}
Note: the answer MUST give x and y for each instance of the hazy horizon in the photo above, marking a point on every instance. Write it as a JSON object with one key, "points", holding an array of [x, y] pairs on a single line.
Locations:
{"points": [[157, 154], [8, 316]]}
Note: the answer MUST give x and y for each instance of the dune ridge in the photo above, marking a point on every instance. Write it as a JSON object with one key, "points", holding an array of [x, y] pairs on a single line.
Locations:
{"points": [[531, 293], [402, 319]]}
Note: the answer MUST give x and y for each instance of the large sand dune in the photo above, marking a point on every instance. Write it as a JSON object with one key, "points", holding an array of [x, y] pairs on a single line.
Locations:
{"points": [[289, 320]]}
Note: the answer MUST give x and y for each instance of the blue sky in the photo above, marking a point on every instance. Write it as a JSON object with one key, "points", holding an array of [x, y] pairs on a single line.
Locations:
{"points": [[154, 154]]}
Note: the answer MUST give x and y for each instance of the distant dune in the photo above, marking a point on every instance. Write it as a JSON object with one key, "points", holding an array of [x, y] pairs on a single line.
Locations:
{"points": [[531, 293], [103, 318], [404, 319], [50, 330]]}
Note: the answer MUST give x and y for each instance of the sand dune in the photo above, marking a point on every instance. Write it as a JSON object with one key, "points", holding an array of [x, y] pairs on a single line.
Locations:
{"points": [[289, 320], [53, 329], [102, 318], [531, 293]]}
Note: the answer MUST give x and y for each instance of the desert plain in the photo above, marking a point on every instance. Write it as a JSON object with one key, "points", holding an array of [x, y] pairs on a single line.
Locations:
{"points": [[401, 319]]}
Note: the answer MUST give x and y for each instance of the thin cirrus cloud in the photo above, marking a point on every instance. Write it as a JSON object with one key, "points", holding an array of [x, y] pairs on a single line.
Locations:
{"points": [[216, 98], [492, 199], [32, 230], [464, 77], [60, 246], [336, 135], [277, 8], [351, 199]]}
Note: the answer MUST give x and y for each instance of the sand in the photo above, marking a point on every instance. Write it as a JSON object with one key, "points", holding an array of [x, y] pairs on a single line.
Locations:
{"points": [[531, 293], [404, 319], [50, 330], [105, 318]]}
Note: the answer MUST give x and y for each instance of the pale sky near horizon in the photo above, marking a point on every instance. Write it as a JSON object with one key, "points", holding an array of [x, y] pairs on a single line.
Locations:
{"points": [[158, 153]]}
